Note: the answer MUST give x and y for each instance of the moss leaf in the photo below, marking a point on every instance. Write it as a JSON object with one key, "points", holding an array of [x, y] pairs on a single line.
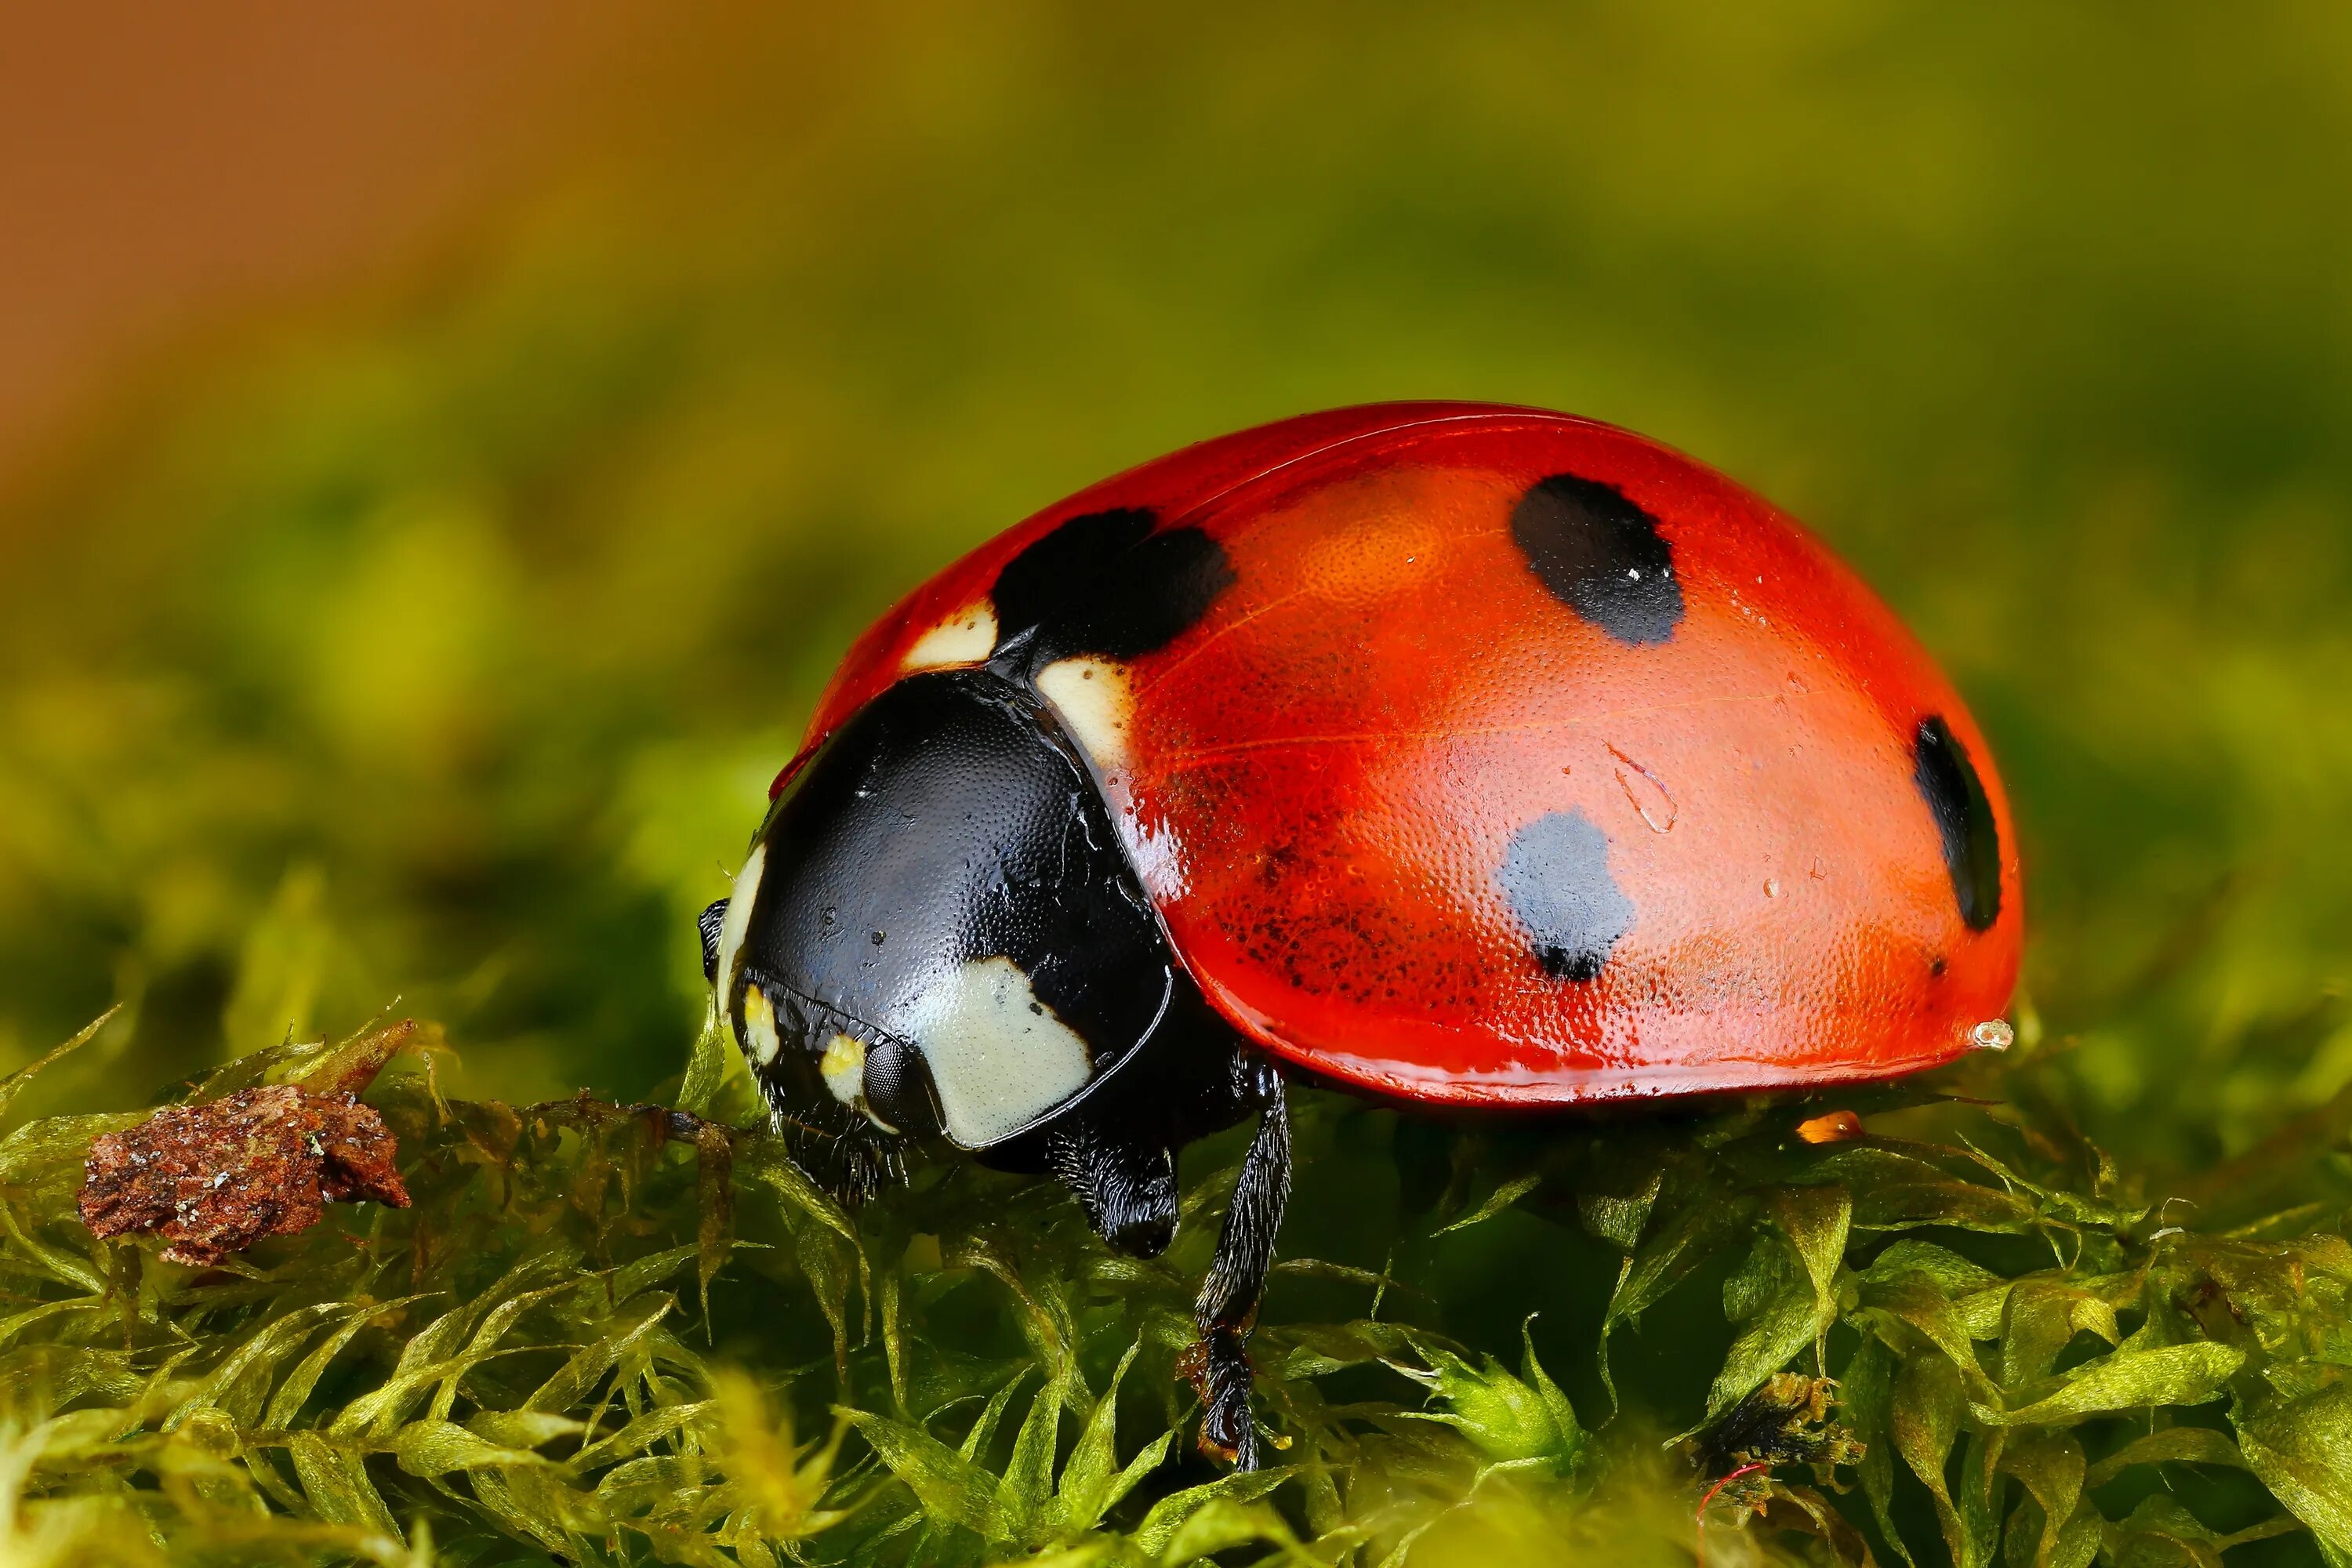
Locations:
{"points": [[2301, 1447], [2133, 1380]]}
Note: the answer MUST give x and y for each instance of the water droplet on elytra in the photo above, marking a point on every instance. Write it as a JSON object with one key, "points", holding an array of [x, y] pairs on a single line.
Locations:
{"points": [[1647, 793], [1771, 888]]}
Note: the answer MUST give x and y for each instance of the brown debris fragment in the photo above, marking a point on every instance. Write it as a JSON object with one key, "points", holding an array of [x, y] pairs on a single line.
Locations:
{"points": [[1786, 1422], [217, 1178]]}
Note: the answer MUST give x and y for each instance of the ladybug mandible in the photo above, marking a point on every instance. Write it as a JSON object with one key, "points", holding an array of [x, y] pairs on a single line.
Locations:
{"points": [[1460, 754]]}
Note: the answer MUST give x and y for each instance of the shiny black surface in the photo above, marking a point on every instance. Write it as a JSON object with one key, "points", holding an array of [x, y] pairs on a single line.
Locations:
{"points": [[1601, 555], [950, 820]]}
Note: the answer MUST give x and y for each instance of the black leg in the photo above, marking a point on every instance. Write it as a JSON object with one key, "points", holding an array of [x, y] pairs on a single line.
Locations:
{"points": [[1228, 1302], [709, 923], [1126, 1186]]}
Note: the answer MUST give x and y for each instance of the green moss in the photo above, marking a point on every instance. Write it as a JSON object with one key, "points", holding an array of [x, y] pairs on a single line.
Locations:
{"points": [[596, 1334]]}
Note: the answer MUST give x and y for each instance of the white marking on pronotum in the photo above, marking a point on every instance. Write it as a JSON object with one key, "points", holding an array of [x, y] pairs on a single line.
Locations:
{"points": [[999, 1058], [842, 1068], [738, 922], [1992, 1035], [966, 638], [759, 1026], [1091, 698]]}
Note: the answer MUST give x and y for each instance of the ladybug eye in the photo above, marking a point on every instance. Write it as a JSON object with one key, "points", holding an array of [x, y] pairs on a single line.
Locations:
{"points": [[898, 1089]]}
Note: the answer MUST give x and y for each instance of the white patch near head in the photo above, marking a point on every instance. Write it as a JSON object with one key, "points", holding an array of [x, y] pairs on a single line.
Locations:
{"points": [[1090, 696], [842, 1068], [968, 636], [732, 929], [760, 1027], [999, 1058]]}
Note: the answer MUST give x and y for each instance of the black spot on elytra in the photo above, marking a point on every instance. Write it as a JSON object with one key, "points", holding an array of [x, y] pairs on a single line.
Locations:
{"points": [[1956, 797], [1107, 583], [1602, 556], [1557, 879]]}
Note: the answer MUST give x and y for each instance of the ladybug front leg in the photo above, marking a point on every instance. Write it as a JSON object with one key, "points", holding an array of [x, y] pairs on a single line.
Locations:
{"points": [[1228, 1302], [1126, 1184]]}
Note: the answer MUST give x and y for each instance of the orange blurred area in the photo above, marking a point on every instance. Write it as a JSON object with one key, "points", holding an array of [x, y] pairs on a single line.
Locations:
{"points": [[167, 169]]}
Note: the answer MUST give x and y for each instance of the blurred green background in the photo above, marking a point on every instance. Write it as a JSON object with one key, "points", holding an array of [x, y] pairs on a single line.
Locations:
{"points": [[433, 637]]}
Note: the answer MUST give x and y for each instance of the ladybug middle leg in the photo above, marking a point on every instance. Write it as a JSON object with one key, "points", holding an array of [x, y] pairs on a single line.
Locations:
{"points": [[1227, 1305], [1117, 1150], [1118, 1157]]}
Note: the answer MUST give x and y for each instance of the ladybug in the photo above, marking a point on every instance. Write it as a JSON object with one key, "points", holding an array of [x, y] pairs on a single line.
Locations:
{"points": [[1463, 755]]}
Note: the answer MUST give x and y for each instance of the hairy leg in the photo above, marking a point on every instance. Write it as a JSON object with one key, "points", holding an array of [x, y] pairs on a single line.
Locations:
{"points": [[1126, 1186], [1229, 1296]]}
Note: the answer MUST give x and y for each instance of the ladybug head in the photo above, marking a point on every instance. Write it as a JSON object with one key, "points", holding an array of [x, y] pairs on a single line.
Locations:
{"points": [[935, 934]]}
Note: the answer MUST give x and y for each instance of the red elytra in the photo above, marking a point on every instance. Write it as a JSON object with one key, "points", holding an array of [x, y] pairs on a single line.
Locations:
{"points": [[1321, 780]]}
